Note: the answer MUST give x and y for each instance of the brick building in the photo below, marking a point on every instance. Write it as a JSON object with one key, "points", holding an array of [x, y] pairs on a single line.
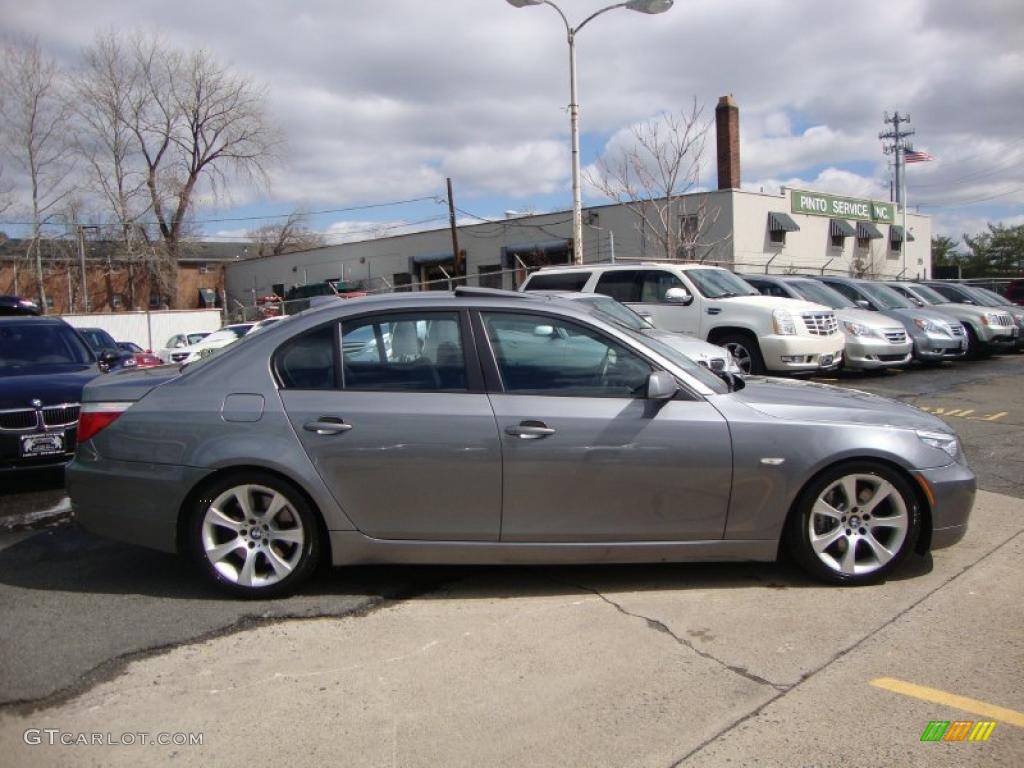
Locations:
{"points": [[114, 284]]}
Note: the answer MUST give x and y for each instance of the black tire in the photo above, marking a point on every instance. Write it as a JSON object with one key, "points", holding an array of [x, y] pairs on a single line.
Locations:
{"points": [[975, 349], [271, 558], [881, 525], [746, 351]]}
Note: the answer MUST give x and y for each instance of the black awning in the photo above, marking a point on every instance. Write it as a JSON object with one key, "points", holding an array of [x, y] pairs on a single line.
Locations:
{"points": [[781, 222], [841, 228], [867, 231], [429, 259], [896, 234]]}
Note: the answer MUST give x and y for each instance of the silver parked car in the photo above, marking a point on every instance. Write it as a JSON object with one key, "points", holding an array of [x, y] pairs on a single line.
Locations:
{"points": [[988, 330], [495, 427], [873, 340]]}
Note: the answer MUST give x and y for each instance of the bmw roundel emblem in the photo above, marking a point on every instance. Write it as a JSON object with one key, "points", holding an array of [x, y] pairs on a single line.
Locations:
{"points": [[36, 403]]}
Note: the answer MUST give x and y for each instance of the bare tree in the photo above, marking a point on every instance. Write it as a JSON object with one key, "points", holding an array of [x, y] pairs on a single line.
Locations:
{"points": [[653, 175], [287, 237], [102, 89], [34, 119], [195, 123]]}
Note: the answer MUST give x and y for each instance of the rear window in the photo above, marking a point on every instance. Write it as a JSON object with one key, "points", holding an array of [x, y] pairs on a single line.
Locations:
{"points": [[558, 281]]}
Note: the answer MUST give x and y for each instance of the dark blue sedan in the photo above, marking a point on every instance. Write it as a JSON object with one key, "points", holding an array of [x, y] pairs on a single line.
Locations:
{"points": [[44, 364]]}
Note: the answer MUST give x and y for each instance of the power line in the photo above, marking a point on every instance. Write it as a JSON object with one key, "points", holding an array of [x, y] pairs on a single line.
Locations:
{"points": [[434, 198], [960, 203]]}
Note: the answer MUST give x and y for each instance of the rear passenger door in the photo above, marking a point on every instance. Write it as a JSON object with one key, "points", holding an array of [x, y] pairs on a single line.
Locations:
{"points": [[391, 410]]}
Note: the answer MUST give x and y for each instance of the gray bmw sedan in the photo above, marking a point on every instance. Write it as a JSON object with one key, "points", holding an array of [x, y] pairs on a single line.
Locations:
{"points": [[493, 427]]}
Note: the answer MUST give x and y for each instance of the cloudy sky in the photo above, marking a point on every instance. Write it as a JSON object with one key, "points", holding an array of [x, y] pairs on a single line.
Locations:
{"points": [[380, 100]]}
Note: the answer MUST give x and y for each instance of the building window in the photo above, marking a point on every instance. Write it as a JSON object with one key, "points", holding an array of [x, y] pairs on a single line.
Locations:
{"points": [[402, 281], [838, 241], [117, 300], [777, 237], [205, 269], [490, 276]]}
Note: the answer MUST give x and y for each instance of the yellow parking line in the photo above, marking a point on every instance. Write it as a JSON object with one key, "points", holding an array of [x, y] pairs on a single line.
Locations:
{"points": [[934, 695]]}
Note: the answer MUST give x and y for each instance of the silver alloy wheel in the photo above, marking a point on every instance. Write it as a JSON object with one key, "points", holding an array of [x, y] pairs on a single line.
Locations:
{"points": [[741, 354], [858, 524], [253, 536]]}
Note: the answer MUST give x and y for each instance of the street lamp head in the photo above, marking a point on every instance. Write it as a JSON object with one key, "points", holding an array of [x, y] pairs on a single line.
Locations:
{"points": [[644, 6], [524, 3]]}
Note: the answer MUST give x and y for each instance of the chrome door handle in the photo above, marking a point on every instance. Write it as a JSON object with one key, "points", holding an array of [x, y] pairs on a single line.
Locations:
{"points": [[327, 425], [529, 430]]}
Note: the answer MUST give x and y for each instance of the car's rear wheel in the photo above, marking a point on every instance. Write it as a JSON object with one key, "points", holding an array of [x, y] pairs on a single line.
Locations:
{"points": [[745, 351], [254, 535], [855, 523]]}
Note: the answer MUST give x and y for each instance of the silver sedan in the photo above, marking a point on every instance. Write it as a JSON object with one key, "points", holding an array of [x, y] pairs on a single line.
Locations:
{"points": [[492, 427]]}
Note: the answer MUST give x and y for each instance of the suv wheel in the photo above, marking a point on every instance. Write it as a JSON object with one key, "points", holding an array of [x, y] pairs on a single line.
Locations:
{"points": [[745, 350]]}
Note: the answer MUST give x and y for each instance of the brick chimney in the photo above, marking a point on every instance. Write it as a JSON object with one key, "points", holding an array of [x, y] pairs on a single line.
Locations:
{"points": [[727, 122]]}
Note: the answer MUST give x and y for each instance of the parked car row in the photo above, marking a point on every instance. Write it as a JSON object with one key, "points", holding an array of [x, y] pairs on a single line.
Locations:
{"points": [[804, 323]]}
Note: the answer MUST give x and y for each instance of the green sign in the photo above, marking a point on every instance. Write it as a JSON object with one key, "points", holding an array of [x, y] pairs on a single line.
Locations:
{"points": [[818, 204]]}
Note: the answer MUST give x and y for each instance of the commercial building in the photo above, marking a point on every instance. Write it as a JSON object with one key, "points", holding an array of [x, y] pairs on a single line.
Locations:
{"points": [[793, 230]]}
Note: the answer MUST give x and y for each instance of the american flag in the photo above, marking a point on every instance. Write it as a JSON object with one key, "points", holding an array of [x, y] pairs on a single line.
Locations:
{"points": [[913, 156]]}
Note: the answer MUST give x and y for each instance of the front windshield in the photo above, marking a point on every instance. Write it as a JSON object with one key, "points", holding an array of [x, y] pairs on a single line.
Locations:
{"points": [[720, 283], [613, 310], [699, 372], [820, 293], [40, 344], [929, 295], [987, 298], [884, 296]]}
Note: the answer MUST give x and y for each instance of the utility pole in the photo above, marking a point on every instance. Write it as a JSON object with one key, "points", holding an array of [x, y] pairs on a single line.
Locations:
{"points": [[456, 256], [85, 277], [896, 146]]}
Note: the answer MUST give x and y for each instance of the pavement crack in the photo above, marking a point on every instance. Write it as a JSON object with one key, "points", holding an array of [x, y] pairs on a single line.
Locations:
{"points": [[843, 652], [660, 626]]}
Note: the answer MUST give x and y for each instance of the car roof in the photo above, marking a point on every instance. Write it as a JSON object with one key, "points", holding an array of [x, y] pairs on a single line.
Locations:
{"points": [[622, 267], [33, 320]]}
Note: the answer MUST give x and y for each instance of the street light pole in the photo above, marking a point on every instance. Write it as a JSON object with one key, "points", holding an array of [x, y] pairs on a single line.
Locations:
{"points": [[641, 6]]}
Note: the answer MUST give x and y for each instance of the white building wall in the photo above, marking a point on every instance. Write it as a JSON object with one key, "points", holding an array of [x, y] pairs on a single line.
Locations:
{"points": [[150, 330]]}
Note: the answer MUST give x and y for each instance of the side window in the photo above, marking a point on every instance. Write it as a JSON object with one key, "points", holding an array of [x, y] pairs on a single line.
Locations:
{"points": [[307, 361], [408, 352], [846, 290], [559, 281], [654, 284], [777, 290], [621, 285], [543, 355]]}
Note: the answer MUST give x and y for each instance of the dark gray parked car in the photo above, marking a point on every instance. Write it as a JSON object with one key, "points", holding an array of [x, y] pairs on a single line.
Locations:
{"points": [[493, 427]]}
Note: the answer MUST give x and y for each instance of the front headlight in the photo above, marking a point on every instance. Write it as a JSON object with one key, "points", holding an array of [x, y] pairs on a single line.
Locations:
{"points": [[858, 329], [783, 321], [991, 318], [949, 444]]}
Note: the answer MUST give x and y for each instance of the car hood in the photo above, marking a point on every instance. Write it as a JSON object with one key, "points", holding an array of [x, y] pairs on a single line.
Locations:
{"points": [[53, 384], [774, 302], [867, 318], [908, 316], [809, 401], [690, 346]]}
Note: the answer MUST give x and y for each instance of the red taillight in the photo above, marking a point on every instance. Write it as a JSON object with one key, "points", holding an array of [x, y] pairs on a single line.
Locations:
{"points": [[95, 417]]}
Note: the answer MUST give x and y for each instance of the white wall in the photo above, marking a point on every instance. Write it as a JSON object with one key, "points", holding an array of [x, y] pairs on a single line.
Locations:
{"points": [[150, 330]]}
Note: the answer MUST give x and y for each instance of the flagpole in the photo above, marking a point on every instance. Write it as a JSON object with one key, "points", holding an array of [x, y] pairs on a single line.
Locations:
{"points": [[901, 157]]}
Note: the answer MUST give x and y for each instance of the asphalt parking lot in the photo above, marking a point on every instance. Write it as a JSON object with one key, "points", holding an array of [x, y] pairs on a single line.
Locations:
{"points": [[628, 665]]}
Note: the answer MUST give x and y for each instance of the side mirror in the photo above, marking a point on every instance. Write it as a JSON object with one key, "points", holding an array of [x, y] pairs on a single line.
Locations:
{"points": [[661, 385], [917, 301], [864, 304], [678, 296], [107, 358]]}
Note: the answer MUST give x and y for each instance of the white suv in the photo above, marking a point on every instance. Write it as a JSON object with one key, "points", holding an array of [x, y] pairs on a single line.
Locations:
{"points": [[764, 333]]}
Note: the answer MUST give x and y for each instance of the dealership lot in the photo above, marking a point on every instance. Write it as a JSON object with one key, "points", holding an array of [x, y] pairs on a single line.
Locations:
{"points": [[628, 665]]}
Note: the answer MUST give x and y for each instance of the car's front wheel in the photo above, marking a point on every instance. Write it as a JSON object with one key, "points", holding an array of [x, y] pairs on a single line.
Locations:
{"points": [[855, 523], [745, 352], [254, 535]]}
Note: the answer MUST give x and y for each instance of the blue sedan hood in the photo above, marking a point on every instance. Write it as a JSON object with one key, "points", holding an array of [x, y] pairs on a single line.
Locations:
{"points": [[809, 401], [52, 384]]}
